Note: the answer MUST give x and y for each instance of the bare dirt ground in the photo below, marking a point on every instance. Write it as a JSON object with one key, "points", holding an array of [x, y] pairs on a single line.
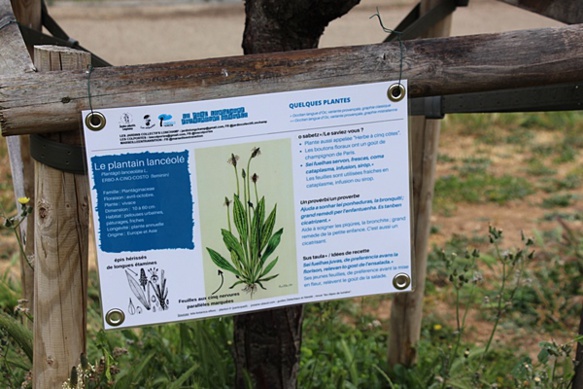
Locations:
{"points": [[135, 33]]}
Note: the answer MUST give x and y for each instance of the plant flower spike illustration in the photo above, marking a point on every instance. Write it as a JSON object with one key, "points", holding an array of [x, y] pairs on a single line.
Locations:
{"points": [[251, 249]]}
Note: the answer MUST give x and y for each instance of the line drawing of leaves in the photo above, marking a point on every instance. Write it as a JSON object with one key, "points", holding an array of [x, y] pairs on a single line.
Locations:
{"points": [[161, 292], [137, 290]]}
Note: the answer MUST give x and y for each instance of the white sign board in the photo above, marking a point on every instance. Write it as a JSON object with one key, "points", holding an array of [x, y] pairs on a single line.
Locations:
{"points": [[231, 205]]}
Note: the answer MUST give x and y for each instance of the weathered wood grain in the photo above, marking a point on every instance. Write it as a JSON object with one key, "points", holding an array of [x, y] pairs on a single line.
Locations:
{"points": [[15, 59], [28, 13], [53, 101], [61, 231], [567, 11]]}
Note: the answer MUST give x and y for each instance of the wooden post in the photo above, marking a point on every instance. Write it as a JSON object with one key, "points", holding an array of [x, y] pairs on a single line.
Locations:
{"points": [[61, 231], [407, 308], [28, 13], [14, 60]]}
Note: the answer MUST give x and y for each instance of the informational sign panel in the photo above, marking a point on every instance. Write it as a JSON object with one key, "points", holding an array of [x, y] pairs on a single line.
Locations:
{"points": [[232, 205]]}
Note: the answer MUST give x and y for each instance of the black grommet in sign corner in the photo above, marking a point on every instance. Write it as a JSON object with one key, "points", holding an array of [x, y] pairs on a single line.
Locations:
{"points": [[95, 121]]}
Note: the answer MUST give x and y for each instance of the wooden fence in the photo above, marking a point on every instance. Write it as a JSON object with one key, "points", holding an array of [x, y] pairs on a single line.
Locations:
{"points": [[40, 102]]}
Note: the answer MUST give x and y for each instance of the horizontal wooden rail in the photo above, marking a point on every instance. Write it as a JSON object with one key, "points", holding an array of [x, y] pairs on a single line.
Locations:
{"points": [[52, 101]]}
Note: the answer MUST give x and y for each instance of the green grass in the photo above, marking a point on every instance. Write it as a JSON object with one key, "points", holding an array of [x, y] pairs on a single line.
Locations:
{"points": [[532, 151], [559, 200], [479, 188], [538, 168]]}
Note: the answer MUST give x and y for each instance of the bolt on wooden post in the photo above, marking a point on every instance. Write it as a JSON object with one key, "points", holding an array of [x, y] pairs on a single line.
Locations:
{"points": [[61, 244]]}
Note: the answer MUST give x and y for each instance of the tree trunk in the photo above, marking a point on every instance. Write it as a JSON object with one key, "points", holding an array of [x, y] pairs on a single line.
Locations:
{"points": [[275, 25], [267, 344], [267, 347]]}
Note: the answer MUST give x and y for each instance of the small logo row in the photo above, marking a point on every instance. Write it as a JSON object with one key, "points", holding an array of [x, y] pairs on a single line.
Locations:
{"points": [[127, 122]]}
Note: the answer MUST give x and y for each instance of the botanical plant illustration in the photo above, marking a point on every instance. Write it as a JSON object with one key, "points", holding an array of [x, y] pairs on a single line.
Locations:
{"points": [[255, 242], [150, 290]]}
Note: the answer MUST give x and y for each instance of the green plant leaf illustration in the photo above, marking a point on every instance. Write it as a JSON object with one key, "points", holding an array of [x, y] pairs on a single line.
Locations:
{"points": [[257, 225], [268, 278], [254, 241], [254, 237], [268, 267], [233, 244], [260, 211], [237, 283], [260, 281], [272, 245], [267, 228], [221, 262], [240, 218]]}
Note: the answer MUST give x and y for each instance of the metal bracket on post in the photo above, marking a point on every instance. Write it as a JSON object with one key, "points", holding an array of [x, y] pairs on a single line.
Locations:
{"points": [[567, 97], [59, 38], [433, 107], [414, 25], [60, 156], [547, 98]]}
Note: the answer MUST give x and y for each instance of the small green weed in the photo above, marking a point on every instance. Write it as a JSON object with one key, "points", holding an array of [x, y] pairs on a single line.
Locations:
{"points": [[340, 355], [559, 267], [479, 188], [552, 370], [445, 158], [537, 168], [542, 150], [474, 165], [559, 200], [446, 358], [195, 354], [520, 137], [571, 181], [15, 350], [566, 216]]}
